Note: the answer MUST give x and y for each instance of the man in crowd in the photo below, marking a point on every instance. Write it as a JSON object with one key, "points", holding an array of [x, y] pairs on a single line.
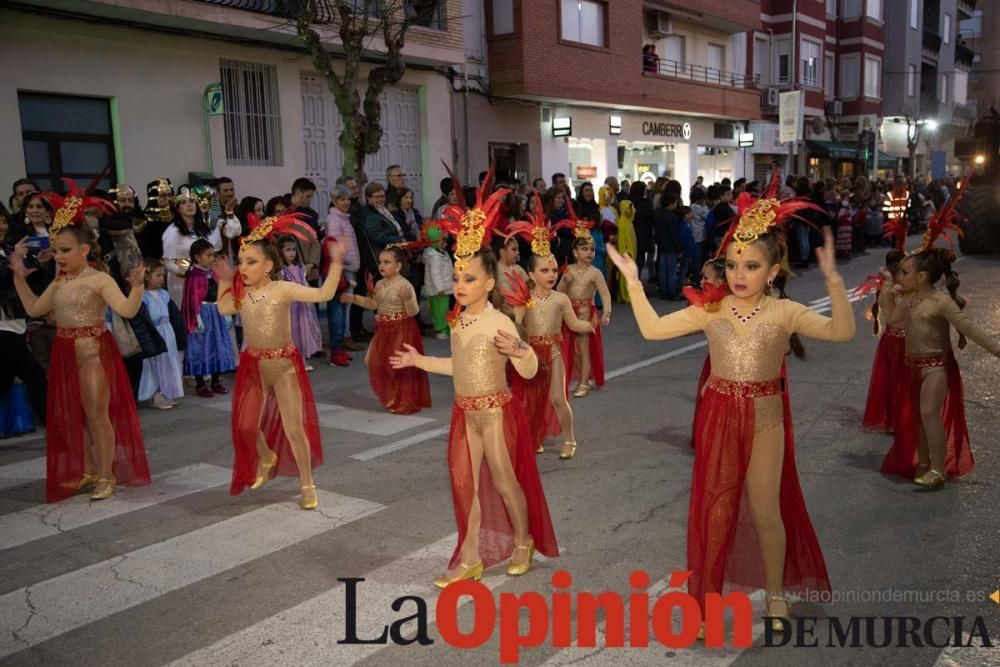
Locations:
{"points": [[396, 181]]}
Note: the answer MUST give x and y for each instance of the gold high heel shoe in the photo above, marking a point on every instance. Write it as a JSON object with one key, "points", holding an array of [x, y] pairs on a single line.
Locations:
{"points": [[540, 450], [920, 470], [776, 624], [104, 488], [517, 569], [932, 479], [582, 390], [268, 473], [563, 454], [88, 479], [473, 572], [310, 503]]}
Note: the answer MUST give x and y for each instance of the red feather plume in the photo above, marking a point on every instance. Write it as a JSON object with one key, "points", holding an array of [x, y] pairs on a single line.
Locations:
{"points": [[488, 203], [708, 296], [518, 295], [945, 221]]}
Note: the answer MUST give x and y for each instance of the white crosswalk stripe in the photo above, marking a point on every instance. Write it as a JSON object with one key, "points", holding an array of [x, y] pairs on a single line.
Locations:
{"points": [[55, 606], [22, 472], [372, 422], [51, 519]]}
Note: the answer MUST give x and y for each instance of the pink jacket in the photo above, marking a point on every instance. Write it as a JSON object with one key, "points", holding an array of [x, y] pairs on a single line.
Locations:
{"points": [[338, 225]]}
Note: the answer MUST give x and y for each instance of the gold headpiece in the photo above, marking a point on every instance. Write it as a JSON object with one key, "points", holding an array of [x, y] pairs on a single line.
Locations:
{"points": [[69, 209], [185, 193], [754, 223], [537, 230], [472, 227], [292, 223]]}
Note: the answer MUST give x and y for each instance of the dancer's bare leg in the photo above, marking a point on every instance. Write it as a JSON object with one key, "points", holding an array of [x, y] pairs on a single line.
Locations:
{"points": [[505, 482], [95, 396], [470, 545], [583, 358], [289, 396], [763, 485], [557, 395], [933, 389]]}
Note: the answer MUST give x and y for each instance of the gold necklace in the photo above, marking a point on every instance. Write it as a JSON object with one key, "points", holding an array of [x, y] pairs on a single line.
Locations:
{"points": [[257, 299], [464, 323]]}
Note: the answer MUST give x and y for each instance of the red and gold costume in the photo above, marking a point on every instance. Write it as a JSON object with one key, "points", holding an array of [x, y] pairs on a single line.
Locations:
{"points": [[403, 391], [708, 297], [583, 284], [78, 304]]}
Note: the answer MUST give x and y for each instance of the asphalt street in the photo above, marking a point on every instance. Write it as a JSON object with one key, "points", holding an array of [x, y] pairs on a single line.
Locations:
{"points": [[183, 573]]}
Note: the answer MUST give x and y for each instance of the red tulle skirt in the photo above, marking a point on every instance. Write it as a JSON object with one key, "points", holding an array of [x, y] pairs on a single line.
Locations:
{"points": [[496, 534], [254, 412], [595, 347], [64, 437], [533, 394], [706, 371], [722, 547], [406, 390], [902, 457], [883, 390]]}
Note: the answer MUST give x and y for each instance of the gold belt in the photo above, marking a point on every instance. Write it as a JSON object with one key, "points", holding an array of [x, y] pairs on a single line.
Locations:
{"points": [[896, 332], [94, 331], [928, 361], [744, 389], [391, 317], [272, 353], [554, 339], [497, 399]]}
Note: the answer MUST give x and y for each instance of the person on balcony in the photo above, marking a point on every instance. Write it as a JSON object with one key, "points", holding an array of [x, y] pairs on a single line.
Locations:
{"points": [[650, 61]]}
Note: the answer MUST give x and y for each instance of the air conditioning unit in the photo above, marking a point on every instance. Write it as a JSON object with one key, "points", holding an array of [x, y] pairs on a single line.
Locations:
{"points": [[835, 108], [659, 23], [769, 97]]}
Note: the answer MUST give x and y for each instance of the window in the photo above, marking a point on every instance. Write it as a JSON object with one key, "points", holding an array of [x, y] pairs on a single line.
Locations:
{"points": [[942, 87], [761, 64], [583, 21], [67, 137], [946, 29], [831, 7], [426, 13], [809, 69], [961, 87], [873, 80], [251, 119], [873, 8], [911, 80], [782, 62], [852, 8], [716, 58], [828, 80], [849, 66], [914, 14], [673, 50], [503, 17]]}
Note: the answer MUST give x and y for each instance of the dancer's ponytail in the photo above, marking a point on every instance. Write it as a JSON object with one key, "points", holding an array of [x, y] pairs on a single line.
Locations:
{"points": [[794, 342], [952, 283]]}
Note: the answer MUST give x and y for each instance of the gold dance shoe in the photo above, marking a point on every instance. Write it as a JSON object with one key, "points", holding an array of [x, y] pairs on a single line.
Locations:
{"points": [[582, 389], [517, 569], [88, 479], [473, 572], [568, 453], [309, 501], [920, 470], [776, 624], [540, 450], [932, 479], [267, 472], [104, 488]]}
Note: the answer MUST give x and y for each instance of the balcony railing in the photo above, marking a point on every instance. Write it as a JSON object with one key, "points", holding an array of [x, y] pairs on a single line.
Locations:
{"points": [[932, 41], [703, 74], [964, 55]]}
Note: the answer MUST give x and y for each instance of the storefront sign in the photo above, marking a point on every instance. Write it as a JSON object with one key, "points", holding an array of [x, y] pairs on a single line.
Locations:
{"points": [[790, 109], [213, 99], [651, 129], [615, 125], [746, 139], [586, 173], [562, 127]]}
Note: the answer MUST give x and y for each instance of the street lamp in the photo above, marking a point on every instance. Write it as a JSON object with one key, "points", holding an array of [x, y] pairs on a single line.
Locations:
{"points": [[980, 159], [931, 124]]}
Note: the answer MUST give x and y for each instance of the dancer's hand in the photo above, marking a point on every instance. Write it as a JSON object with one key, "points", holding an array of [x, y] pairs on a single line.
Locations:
{"points": [[224, 272], [510, 345], [826, 257], [346, 299], [405, 358], [624, 263], [137, 276], [17, 260], [606, 319], [336, 251]]}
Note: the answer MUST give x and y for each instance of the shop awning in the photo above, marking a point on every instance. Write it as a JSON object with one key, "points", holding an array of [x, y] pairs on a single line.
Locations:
{"points": [[886, 161], [841, 151]]}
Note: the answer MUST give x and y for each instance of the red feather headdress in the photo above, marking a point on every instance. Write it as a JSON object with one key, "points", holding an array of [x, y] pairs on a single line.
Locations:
{"points": [[472, 228], [69, 209], [581, 228], [292, 223], [538, 230], [519, 294], [757, 217], [943, 222], [708, 296]]}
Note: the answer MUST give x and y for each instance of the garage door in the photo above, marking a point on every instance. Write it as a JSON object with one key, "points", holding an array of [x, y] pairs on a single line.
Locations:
{"points": [[321, 127]]}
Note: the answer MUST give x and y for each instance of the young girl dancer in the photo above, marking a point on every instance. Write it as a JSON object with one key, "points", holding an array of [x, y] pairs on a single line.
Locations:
{"points": [[209, 349], [274, 412], [305, 322], [161, 379], [500, 507], [931, 438], [584, 353], [744, 468], [708, 297], [396, 307], [543, 312], [882, 404], [92, 433], [509, 272]]}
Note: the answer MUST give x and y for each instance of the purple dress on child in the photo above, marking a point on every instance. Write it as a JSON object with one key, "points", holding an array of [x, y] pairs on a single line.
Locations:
{"points": [[305, 322]]}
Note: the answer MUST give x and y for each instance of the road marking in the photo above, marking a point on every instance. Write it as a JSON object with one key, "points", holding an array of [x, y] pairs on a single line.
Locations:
{"points": [[31, 615], [22, 472], [375, 452], [307, 633], [696, 654], [51, 519], [339, 417], [963, 656]]}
